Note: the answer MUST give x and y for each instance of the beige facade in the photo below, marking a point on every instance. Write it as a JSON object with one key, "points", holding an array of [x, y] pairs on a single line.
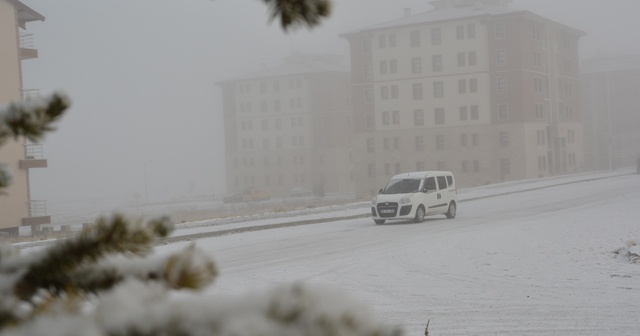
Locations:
{"points": [[16, 206], [474, 87], [289, 126], [611, 109]]}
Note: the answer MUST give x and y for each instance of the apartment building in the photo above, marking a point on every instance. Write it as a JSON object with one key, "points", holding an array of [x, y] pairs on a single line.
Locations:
{"points": [[16, 45], [610, 88], [475, 87], [288, 126]]}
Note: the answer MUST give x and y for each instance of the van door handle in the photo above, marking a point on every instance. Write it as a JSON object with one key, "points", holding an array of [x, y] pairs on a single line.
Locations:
{"points": [[439, 196]]}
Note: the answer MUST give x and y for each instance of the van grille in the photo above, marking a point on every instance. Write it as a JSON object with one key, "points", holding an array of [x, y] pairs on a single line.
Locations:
{"points": [[387, 209]]}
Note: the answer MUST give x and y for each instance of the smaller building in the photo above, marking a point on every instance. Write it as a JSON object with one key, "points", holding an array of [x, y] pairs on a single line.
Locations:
{"points": [[16, 45], [288, 126], [611, 110]]}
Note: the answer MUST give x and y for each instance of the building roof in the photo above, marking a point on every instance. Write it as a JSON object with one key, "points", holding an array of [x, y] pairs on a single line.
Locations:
{"points": [[448, 14], [294, 66], [610, 63], [25, 13]]}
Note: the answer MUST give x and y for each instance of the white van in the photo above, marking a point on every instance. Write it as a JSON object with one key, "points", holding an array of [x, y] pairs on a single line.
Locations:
{"points": [[415, 195]]}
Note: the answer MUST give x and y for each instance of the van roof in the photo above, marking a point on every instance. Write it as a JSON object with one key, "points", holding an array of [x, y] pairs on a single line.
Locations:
{"points": [[420, 174]]}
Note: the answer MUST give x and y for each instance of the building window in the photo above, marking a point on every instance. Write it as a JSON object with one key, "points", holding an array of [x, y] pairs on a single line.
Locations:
{"points": [[442, 165], [398, 170], [367, 71], [474, 139], [505, 167], [503, 112], [440, 142], [537, 85], [416, 65], [539, 111], [265, 125], [436, 36], [370, 121], [541, 137], [394, 92], [476, 166], [438, 116], [279, 142], [502, 85], [415, 38], [462, 59], [504, 139], [464, 140], [264, 107], [472, 58], [475, 115], [417, 91], [385, 145], [392, 40], [396, 143], [463, 113], [436, 63], [542, 163], [419, 142], [393, 66], [366, 46], [383, 67], [276, 86], [370, 146], [372, 170], [473, 85], [385, 118], [501, 31], [571, 136], [471, 31], [384, 92], [501, 57], [387, 168], [420, 166], [438, 89], [368, 96], [395, 117], [537, 59], [460, 32], [277, 107], [418, 117], [263, 87], [462, 86], [278, 122], [382, 41], [465, 166]]}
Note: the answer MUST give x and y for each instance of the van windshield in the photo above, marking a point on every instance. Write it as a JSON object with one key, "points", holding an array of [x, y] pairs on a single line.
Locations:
{"points": [[405, 186]]}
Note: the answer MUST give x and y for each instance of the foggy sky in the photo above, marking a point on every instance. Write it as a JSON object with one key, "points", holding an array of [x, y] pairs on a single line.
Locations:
{"points": [[141, 75]]}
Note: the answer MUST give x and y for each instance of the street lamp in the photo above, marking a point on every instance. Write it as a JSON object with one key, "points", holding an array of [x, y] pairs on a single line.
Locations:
{"points": [[146, 192]]}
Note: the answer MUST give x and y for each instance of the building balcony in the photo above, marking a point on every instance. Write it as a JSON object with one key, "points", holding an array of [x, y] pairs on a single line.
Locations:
{"points": [[34, 157], [37, 213], [26, 47]]}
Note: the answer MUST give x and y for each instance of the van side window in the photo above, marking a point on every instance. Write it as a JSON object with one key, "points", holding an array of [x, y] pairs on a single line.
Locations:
{"points": [[430, 185], [442, 183], [450, 180]]}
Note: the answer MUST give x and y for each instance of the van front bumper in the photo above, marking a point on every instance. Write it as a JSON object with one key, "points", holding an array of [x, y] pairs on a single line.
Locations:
{"points": [[389, 210]]}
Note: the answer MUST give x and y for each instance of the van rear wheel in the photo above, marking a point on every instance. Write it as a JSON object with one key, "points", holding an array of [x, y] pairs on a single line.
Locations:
{"points": [[419, 215], [451, 213]]}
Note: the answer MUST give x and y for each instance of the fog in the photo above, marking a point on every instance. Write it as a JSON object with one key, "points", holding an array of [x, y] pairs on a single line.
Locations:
{"points": [[146, 116]]}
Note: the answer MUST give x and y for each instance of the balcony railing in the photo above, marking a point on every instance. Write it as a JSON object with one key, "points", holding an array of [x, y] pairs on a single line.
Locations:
{"points": [[30, 94], [26, 41], [34, 152], [37, 208]]}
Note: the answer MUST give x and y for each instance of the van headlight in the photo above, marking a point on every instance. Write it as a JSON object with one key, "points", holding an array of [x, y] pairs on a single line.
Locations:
{"points": [[405, 200], [374, 201]]}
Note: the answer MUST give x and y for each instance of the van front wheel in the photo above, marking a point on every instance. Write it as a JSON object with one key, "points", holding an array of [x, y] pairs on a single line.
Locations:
{"points": [[451, 213], [379, 221], [419, 215]]}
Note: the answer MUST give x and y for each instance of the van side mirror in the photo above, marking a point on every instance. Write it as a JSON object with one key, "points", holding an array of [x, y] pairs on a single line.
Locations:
{"points": [[380, 191]]}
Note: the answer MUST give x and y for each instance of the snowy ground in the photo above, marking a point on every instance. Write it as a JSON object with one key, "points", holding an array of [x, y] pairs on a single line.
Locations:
{"points": [[538, 262]]}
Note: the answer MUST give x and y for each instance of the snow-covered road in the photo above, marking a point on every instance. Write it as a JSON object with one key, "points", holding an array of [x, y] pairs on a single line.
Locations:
{"points": [[530, 263]]}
